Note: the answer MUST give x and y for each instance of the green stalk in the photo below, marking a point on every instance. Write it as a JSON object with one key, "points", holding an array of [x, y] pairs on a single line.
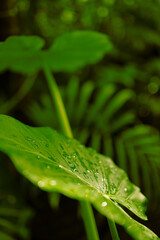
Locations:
{"points": [[89, 220], [113, 229], [87, 212]]}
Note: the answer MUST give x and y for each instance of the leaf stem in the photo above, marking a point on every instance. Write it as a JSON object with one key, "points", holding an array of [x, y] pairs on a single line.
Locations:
{"points": [[87, 212], [113, 229], [89, 220], [57, 100]]}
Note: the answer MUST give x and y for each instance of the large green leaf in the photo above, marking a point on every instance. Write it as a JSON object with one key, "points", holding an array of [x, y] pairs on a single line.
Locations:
{"points": [[56, 163], [74, 50], [21, 54], [69, 52]]}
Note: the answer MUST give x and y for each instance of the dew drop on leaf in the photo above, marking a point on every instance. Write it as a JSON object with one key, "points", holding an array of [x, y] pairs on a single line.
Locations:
{"points": [[53, 182], [125, 189], [104, 204], [28, 139], [41, 184]]}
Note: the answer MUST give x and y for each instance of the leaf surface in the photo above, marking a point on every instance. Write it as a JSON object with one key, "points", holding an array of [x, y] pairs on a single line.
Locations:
{"points": [[24, 54], [21, 54], [56, 163], [76, 49]]}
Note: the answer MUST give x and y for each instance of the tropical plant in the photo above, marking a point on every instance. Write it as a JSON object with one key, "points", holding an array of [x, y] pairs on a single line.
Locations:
{"points": [[54, 162], [106, 123]]}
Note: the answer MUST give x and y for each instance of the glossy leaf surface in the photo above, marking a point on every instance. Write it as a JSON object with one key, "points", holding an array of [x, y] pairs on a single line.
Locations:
{"points": [[56, 163], [24, 54]]}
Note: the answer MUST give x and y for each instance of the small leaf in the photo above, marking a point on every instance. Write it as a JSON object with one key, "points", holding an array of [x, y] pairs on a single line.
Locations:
{"points": [[57, 163], [21, 54], [76, 49]]}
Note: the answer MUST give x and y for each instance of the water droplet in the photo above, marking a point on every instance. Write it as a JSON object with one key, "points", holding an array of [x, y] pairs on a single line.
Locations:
{"points": [[41, 184], [88, 171], [125, 189], [60, 166], [100, 162], [104, 204], [28, 139], [53, 182], [75, 170], [74, 156]]}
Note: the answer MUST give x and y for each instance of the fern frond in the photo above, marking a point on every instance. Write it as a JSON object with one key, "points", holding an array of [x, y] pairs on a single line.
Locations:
{"points": [[138, 152]]}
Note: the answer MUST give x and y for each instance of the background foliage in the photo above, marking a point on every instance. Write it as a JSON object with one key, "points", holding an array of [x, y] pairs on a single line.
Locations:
{"points": [[112, 106]]}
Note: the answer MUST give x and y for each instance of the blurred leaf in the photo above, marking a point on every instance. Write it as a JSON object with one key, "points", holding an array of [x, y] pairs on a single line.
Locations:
{"points": [[140, 146], [69, 52], [5, 236], [117, 74], [56, 163], [14, 213], [74, 50], [21, 54]]}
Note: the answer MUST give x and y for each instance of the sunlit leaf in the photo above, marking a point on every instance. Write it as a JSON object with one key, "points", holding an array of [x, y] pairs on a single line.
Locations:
{"points": [[56, 163]]}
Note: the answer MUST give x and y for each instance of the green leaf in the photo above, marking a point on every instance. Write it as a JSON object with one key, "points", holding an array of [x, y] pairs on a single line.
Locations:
{"points": [[5, 236], [76, 49], [24, 54], [56, 163], [21, 54]]}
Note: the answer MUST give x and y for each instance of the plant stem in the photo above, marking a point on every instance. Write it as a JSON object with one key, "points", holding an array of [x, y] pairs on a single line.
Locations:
{"points": [[89, 220], [87, 212], [57, 100], [113, 229]]}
